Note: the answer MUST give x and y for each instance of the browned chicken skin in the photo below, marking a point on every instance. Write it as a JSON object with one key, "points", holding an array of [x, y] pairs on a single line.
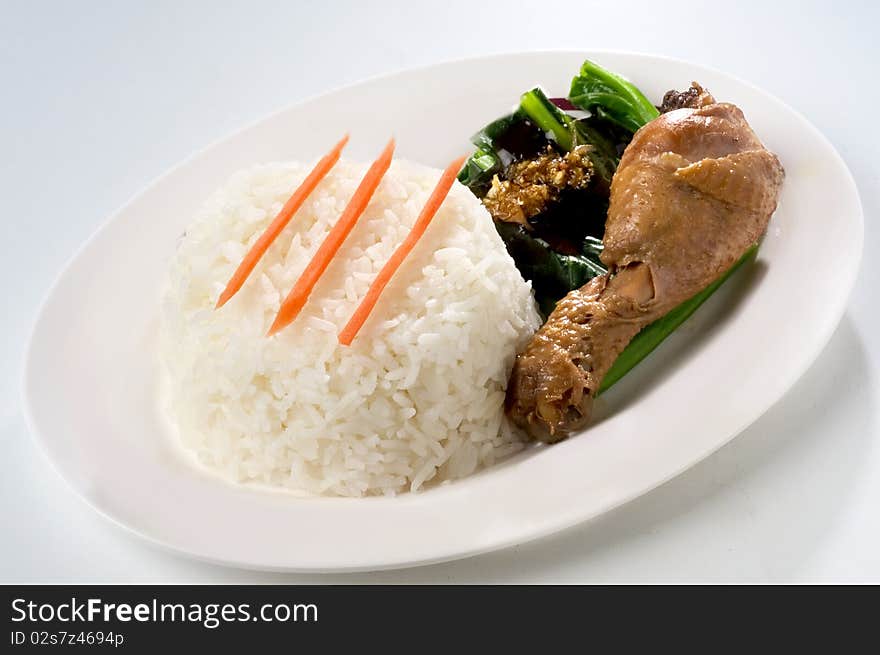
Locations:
{"points": [[693, 191]]}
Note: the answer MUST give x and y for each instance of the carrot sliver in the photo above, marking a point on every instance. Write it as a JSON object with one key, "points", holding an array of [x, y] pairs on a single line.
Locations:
{"points": [[301, 291], [438, 195], [319, 172]]}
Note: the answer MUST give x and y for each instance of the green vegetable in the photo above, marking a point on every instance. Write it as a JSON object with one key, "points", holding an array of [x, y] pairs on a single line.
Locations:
{"points": [[547, 116], [488, 137], [478, 170], [501, 141], [551, 273], [652, 335], [610, 96], [604, 140]]}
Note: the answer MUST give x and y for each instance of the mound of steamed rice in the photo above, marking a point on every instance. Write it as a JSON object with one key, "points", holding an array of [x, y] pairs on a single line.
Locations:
{"points": [[416, 398]]}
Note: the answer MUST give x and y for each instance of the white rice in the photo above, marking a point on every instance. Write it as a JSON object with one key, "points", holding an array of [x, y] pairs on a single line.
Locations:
{"points": [[416, 398]]}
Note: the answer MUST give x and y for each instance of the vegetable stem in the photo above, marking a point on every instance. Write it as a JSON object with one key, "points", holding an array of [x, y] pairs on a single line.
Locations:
{"points": [[547, 116], [652, 335]]}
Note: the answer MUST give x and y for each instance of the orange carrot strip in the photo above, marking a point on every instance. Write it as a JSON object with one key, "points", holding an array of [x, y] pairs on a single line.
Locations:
{"points": [[447, 179], [276, 226], [298, 296]]}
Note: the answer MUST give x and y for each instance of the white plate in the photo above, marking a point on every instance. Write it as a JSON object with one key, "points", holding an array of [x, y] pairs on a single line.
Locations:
{"points": [[90, 380]]}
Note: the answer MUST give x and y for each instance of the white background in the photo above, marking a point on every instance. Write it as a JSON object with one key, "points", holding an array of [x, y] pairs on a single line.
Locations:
{"points": [[100, 98]]}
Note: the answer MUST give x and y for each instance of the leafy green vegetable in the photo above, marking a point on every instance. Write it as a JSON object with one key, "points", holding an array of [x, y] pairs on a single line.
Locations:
{"points": [[478, 170], [618, 109], [652, 335], [547, 116], [502, 141], [606, 140], [610, 96], [489, 135], [552, 274], [553, 254]]}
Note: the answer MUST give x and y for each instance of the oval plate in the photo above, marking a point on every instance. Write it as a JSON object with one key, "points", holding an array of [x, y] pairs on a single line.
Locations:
{"points": [[91, 376]]}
